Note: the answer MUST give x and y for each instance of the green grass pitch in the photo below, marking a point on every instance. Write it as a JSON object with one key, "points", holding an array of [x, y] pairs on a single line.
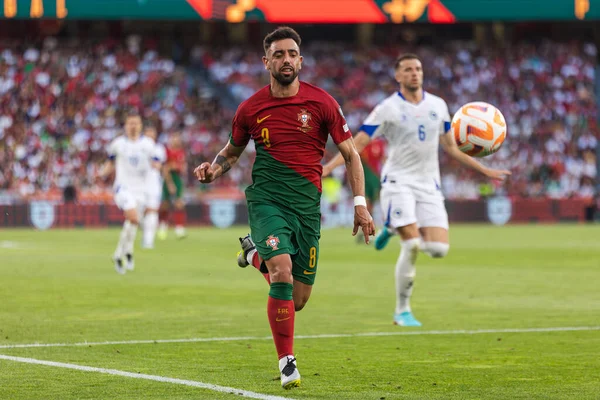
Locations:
{"points": [[59, 286]]}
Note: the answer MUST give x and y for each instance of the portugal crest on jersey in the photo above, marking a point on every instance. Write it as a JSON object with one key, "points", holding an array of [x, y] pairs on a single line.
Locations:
{"points": [[304, 117], [272, 242]]}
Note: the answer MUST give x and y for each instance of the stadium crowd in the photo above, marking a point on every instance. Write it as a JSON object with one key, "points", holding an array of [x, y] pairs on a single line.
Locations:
{"points": [[61, 104]]}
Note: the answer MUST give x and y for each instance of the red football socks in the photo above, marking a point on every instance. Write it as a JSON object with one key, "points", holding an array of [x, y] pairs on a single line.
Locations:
{"points": [[163, 216], [281, 318], [256, 262], [179, 217]]}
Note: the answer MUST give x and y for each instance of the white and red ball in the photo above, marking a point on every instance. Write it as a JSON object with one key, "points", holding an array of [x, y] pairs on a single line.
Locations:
{"points": [[479, 129]]}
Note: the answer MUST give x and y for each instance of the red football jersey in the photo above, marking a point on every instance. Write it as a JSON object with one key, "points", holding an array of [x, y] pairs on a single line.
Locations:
{"points": [[176, 159], [292, 131], [374, 154]]}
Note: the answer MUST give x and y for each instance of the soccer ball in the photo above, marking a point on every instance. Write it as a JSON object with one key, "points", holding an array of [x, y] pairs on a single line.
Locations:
{"points": [[479, 129]]}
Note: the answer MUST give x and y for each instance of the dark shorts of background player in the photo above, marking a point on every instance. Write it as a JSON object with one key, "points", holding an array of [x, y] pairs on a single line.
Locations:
{"points": [[372, 184], [166, 195], [276, 230]]}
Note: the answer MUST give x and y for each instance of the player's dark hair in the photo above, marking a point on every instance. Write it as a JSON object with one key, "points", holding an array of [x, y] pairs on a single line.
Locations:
{"points": [[283, 32], [132, 113], [406, 56]]}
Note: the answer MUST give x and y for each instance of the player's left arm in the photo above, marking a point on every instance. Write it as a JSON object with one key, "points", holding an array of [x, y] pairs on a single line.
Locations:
{"points": [[449, 145], [356, 177], [354, 168], [156, 164], [154, 154], [342, 137]]}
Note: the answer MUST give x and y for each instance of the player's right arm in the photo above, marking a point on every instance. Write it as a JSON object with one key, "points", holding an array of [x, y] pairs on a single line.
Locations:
{"points": [[207, 172], [373, 126], [108, 168], [240, 136]]}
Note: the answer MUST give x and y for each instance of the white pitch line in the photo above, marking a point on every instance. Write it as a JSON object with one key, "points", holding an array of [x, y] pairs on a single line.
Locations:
{"points": [[323, 336], [208, 386], [8, 244]]}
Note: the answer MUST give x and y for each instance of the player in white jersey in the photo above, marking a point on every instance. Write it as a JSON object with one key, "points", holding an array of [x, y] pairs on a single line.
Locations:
{"points": [[414, 123], [130, 157], [153, 192]]}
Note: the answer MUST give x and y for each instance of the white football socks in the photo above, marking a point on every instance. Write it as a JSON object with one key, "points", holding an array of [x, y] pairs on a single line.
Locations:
{"points": [[405, 273], [150, 226], [250, 256], [130, 239], [435, 249], [119, 251]]}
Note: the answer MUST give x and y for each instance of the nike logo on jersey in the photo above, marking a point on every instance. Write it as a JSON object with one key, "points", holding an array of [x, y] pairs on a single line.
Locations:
{"points": [[259, 120], [310, 272], [281, 319]]}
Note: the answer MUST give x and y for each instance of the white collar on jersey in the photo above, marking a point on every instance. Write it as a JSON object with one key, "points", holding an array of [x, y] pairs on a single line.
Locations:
{"points": [[403, 98]]}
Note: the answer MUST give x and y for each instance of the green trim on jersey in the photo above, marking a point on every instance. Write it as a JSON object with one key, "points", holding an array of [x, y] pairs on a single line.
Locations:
{"points": [[275, 182], [231, 140]]}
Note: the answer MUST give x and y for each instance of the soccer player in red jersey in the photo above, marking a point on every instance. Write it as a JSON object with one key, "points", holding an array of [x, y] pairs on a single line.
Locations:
{"points": [[174, 184], [289, 121], [372, 158]]}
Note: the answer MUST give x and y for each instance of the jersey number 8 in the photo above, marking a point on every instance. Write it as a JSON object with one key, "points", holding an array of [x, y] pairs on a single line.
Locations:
{"points": [[312, 261]]}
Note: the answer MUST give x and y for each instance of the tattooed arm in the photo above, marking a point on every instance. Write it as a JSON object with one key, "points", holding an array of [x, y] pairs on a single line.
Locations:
{"points": [[223, 162]]}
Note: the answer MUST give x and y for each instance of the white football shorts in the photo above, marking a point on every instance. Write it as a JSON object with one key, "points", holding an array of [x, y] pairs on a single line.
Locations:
{"points": [[126, 199], [404, 205], [154, 196]]}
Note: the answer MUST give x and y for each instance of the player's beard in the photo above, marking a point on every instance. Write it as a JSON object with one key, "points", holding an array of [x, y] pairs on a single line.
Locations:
{"points": [[133, 134], [413, 87], [283, 79]]}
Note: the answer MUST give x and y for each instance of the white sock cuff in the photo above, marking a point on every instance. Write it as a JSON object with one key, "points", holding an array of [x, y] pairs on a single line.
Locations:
{"points": [[411, 243], [436, 249], [250, 256]]}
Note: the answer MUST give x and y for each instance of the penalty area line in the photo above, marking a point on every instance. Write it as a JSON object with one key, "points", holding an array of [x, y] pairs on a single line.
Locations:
{"points": [[156, 378], [321, 336]]}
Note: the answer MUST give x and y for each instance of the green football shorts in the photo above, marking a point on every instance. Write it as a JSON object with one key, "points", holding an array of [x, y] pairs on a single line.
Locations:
{"points": [[166, 196], [372, 185], [276, 230]]}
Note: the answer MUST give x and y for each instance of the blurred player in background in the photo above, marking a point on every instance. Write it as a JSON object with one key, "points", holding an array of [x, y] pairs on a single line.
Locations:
{"points": [[372, 158], [290, 122], [174, 174], [154, 189], [131, 157], [414, 123]]}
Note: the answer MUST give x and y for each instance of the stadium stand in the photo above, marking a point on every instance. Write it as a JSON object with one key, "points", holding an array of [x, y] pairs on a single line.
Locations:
{"points": [[61, 103]]}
